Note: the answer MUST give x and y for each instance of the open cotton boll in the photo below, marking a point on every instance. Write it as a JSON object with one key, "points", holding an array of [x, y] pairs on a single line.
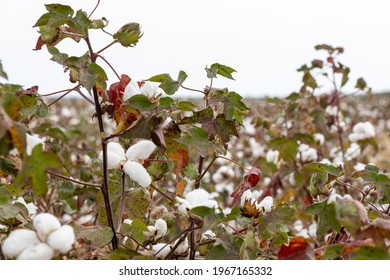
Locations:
{"points": [[182, 248], [267, 203], [39, 251], [353, 151], [140, 151], [307, 153], [115, 154], [247, 195], [362, 130], [45, 223], [131, 89], [182, 205], [161, 228], [137, 173], [32, 141], [164, 252], [19, 240], [197, 197], [319, 138], [62, 239], [272, 156]]}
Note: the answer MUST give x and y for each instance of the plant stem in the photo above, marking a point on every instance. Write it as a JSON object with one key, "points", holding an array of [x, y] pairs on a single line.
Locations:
{"points": [[94, 9], [122, 200], [72, 180], [192, 241], [197, 181], [65, 94], [104, 186], [200, 168], [163, 194], [106, 47], [192, 89], [233, 161]]}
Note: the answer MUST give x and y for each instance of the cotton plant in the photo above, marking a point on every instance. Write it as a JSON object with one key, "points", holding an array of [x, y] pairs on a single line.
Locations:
{"points": [[195, 198], [31, 142], [130, 161], [147, 88], [47, 239]]}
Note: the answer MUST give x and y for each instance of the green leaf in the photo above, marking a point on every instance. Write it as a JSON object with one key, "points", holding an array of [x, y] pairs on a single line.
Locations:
{"points": [[186, 106], [169, 85], [249, 248], [333, 252], [166, 102], [97, 236], [361, 84], [220, 69], [82, 22], [326, 168], [93, 75], [34, 170], [124, 254], [274, 222], [136, 203], [287, 148], [345, 76], [198, 138], [231, 102], [326, 214], [60, 10], [191, 172], [351, 214], [158, 78], [203, 211], [43, 20], [12, 105], [309, 80], [129, 34], [202, 116], [370, 253], [222, 128], [141, 102], [217, 253], [3, 74]]}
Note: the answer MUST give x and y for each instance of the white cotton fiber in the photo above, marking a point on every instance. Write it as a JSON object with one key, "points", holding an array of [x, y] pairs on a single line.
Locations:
{"points": [[140, 151], [267, 203], [19, 240], [164, 252], [32, 141], [137, 173], [45, 223], [115, 154], [62, 239], [182, 248], [161, 228], [39, 251]]}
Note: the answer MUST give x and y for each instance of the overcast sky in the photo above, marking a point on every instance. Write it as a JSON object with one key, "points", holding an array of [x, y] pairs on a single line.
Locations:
{"points": [[265, 41]]}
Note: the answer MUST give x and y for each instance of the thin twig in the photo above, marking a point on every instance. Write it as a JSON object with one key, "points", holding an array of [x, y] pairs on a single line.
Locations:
{"points": [[182, 238], [349, 186], [200, 169], [192, 89], [56, 92], [197, 181], [163, 194], [233, 161], [65, 94], [94, 9], [376, 209], [192, 242], [72, 180], [106, 47], [112, 68], [84, 96]]}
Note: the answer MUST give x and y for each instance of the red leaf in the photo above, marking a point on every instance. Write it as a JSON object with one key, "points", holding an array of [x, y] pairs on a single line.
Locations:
{"points": [[250, 180], [39, 44], [180, 157], [297, 249]]}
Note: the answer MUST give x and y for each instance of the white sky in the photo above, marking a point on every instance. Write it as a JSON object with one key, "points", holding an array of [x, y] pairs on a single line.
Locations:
{"points": [[265, 41]]}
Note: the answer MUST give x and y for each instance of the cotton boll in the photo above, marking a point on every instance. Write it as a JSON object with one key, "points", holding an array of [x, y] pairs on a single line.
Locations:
{"points": [[267, 203], [19, 240], [319, 138], [140, 151], [131, 89], [197, 197], [165, 249], [32, 141], [208, 234], [307, 153], [127, 221], [32, 208], [182, 248], [161, 228], [247, 195], [151, 232], [115, 154], [272, 156], [361, 131], [45, 223], [182, 205], [137, 173], [39, 251], [62, 239], [352, 152]]}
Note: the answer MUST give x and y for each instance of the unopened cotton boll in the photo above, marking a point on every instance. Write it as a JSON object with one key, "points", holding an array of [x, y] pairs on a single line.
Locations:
{"points": [[39, 251], [267, 203], [137, 173], [19, 240], [62, 239], [45, 223], [140, 151]]}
